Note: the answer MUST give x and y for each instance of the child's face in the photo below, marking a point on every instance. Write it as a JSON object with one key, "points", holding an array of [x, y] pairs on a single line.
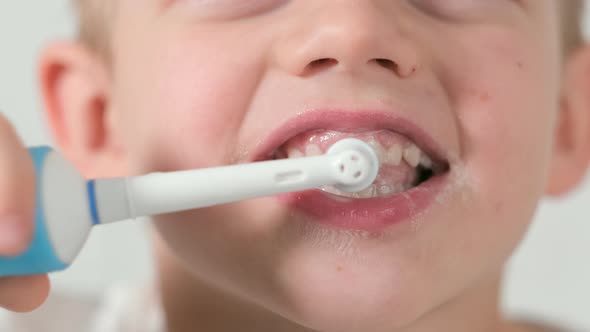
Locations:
{"points": [[476, 83]]}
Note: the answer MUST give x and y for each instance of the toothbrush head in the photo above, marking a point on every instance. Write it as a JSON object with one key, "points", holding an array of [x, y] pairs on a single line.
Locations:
{"points": [[357, 166]]}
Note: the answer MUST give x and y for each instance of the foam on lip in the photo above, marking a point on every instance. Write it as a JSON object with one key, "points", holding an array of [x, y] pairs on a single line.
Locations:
{"points": [[462, 186]]}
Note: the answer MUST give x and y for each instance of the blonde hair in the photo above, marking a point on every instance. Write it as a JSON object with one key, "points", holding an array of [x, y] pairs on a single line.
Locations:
{"points": [[572, 14], [94, 16], [93, 22]]}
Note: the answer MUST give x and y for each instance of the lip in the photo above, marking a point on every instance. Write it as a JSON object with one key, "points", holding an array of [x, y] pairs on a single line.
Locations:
{"points": [[373, 214]]}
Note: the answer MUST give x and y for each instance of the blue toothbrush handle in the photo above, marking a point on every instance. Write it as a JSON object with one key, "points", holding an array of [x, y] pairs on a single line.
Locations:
{"points": [[41, 256]]}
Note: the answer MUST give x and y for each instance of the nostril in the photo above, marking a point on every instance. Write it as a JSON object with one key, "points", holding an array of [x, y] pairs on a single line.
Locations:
{"points": [[320, 64], [323, 62], [387, 64]]}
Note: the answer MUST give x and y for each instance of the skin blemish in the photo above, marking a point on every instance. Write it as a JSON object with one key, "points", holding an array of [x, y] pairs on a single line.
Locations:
{"points": [[498, 207], [520, 64], [339, 268], [484, 97]]}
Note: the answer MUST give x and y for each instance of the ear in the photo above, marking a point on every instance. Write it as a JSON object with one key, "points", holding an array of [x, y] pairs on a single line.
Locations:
{"points": [[75, 88], [571, 154]]}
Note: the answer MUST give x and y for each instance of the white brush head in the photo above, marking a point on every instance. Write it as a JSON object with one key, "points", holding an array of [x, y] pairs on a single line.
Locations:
{"points": [[357, 166]]}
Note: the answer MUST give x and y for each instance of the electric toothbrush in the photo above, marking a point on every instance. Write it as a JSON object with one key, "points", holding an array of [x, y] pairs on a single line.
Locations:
{"points": [[68, 206]]}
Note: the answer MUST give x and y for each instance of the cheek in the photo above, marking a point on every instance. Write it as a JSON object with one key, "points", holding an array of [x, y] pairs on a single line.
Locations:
{"points": [[505, 93], [188, 99]]}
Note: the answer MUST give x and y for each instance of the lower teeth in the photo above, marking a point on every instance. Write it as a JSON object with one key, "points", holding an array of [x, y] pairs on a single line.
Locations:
{"points": [[382, 189], [372, 192]]}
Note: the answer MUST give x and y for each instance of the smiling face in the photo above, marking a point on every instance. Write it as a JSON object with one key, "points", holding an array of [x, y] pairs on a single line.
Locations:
{"points": [[459, 98]]}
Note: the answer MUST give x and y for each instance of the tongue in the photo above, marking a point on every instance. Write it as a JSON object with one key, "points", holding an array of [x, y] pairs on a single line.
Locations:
{"points": [[395, 178]]}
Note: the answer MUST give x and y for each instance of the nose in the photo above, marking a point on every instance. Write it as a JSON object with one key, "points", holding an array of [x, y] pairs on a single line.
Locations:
{"points": [[348, 35]]}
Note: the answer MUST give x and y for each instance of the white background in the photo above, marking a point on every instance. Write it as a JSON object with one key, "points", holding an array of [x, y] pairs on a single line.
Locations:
{"points": [[549, 275]]}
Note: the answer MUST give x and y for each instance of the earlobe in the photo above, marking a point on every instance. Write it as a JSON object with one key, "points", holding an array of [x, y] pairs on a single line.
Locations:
{"points": [[571, 151], [75, 90]]}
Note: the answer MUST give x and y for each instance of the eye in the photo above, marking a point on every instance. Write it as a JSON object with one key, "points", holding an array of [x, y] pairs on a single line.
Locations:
{"points": [[463, 10], [231, 9]]}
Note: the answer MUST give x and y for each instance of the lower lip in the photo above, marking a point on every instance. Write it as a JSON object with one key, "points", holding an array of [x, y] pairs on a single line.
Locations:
{"points": [[374, 214]]}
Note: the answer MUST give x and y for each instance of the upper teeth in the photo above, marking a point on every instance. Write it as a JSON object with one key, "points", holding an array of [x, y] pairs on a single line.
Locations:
{"points": [[295, 153], [312, 150], [393, 156], [426, 161], [412, 155]]}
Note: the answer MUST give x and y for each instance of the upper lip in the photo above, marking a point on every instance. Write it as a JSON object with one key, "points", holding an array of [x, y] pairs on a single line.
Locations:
{"points": [[348, 121]]}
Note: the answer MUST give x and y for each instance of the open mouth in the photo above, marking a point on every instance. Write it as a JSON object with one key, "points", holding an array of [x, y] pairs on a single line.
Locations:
{"points": [[414, 169], [403, 164]]}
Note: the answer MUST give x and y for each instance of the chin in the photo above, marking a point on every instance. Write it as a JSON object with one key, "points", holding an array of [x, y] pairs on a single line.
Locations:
{"points": [[332, 292]]}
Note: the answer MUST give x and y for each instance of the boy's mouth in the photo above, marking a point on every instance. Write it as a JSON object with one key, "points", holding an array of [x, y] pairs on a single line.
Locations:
{"points": [[413, 168], [403, 165]]}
